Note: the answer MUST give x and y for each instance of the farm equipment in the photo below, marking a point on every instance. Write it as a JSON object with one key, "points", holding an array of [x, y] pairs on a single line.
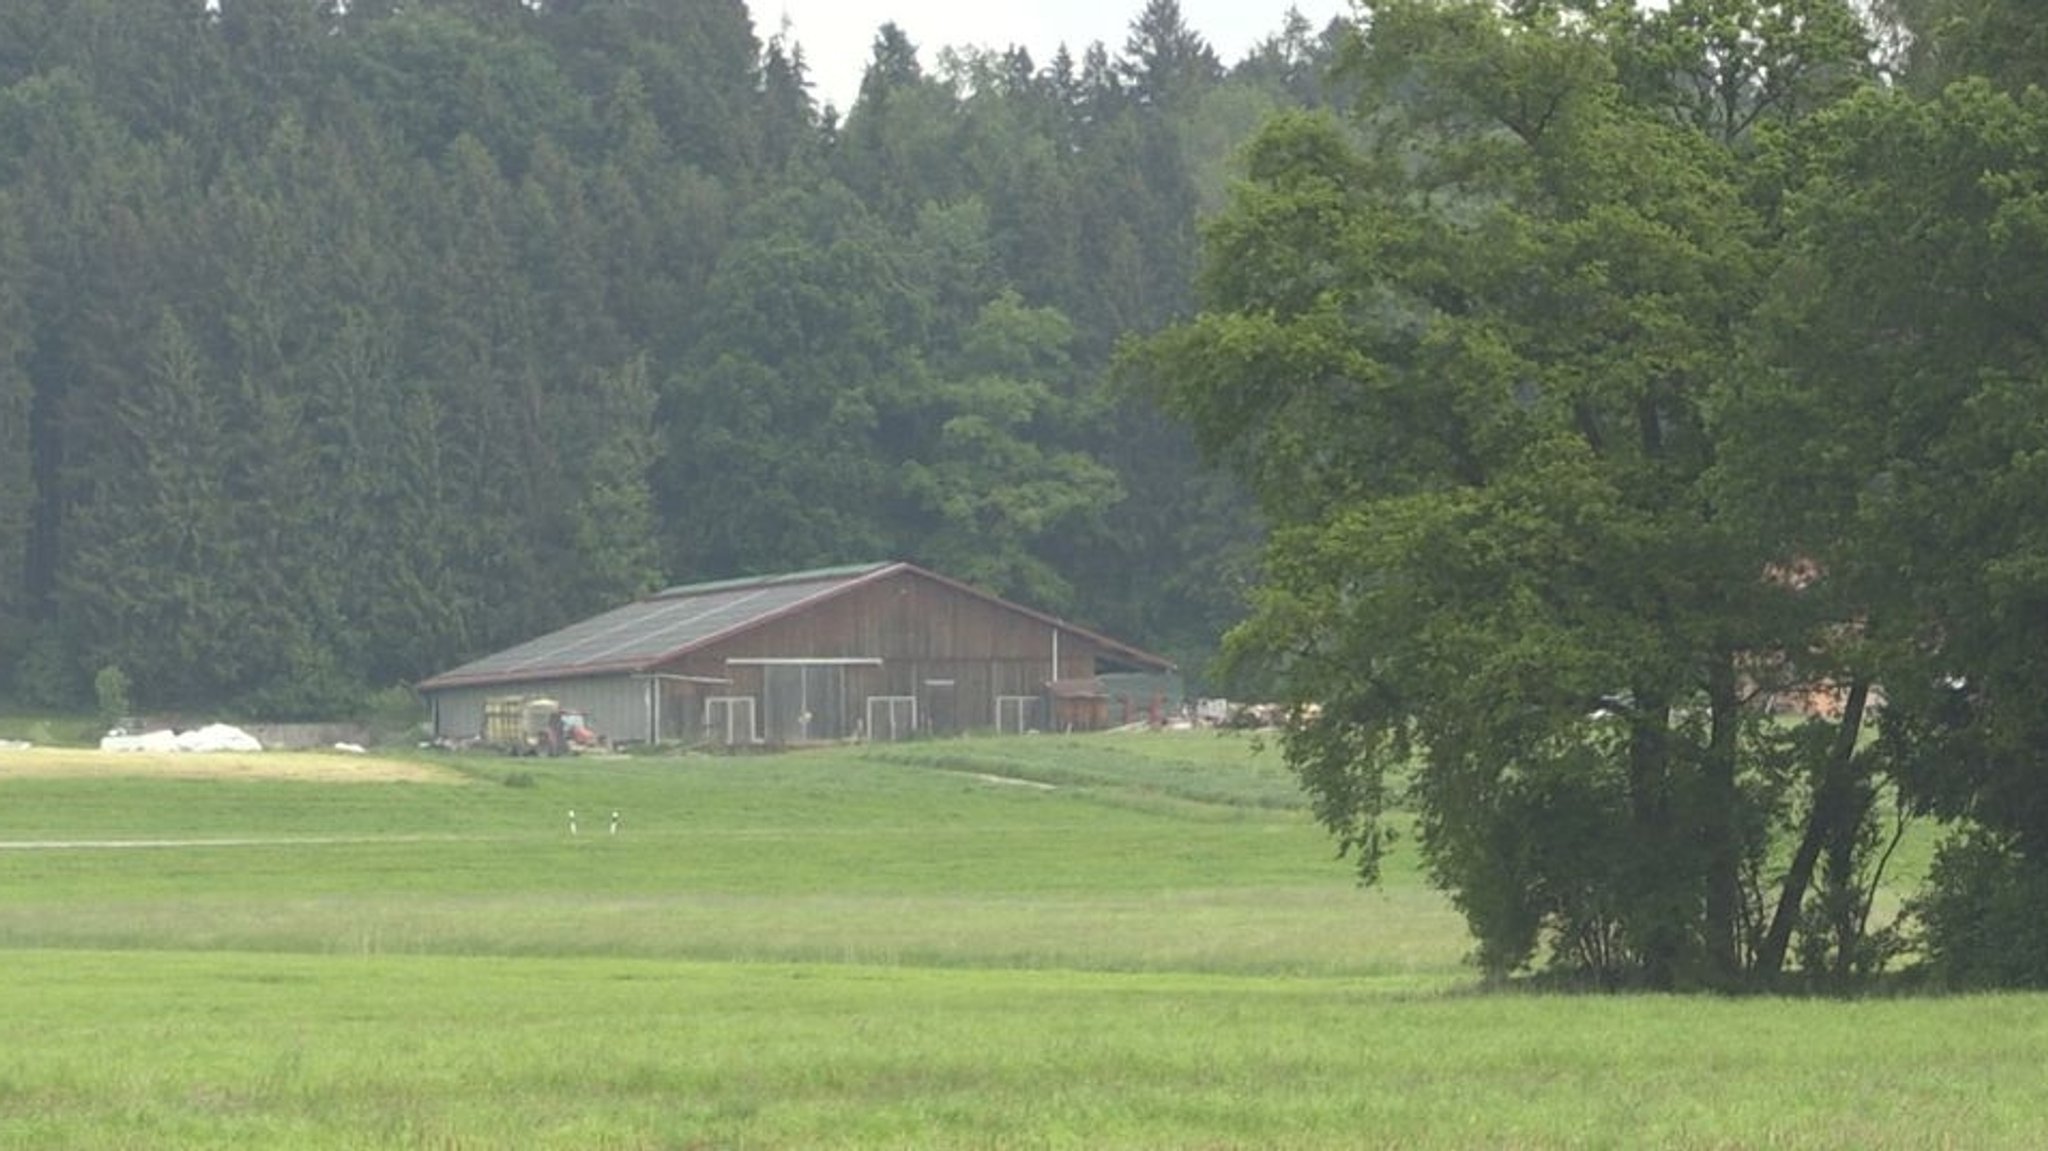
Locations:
{"points": [[526, 725]]}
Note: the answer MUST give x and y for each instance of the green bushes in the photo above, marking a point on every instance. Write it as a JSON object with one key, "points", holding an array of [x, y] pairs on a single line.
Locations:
{"points": [[1981, 918], [110, 689], [394, 712]]}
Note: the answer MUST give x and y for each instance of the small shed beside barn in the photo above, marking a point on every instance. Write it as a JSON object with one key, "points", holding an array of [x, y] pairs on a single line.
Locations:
{"points": [[876, 651]]}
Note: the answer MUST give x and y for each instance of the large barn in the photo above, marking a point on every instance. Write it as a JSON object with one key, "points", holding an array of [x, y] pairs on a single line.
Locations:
{"points": [[879, 651]]}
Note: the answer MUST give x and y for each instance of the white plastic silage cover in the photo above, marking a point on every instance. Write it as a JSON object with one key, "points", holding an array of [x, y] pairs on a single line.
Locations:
{"points": [[218, 737], [165, 740], [213, 737]]}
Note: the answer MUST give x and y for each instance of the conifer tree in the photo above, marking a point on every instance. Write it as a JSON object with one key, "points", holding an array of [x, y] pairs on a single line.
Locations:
{"points": [[17, 459]]}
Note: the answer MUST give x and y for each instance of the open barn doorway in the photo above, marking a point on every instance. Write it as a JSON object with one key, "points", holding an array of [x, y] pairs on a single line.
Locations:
{"points": [[810, 700]]}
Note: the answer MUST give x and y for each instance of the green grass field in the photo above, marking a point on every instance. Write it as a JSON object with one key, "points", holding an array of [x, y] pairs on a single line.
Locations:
{"points": [[1122, 941]]}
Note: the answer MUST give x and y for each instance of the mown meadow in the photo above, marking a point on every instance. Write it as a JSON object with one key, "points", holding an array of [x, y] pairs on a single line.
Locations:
{"points": [[1123, 941]]}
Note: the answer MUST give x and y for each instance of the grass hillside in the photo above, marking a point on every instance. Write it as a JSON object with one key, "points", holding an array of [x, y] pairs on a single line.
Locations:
{"points": [[1020, 853], [1135, 941]]}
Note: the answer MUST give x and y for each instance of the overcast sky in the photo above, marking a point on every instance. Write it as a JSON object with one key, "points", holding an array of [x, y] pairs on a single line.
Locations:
{"points": [[837, 35]]}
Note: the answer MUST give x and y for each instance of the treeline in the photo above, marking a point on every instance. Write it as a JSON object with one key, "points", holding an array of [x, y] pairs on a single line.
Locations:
{"points": [[339, 343]]}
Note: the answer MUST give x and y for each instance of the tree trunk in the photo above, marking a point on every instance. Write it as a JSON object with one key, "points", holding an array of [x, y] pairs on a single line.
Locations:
{"points": [[1833, 801], [1658, 938], [1720, 829], [1839, 883]]}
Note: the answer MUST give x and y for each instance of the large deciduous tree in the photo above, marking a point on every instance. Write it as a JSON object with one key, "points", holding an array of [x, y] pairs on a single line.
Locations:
{"points": [[1909, 325], [1942, 41], [1467, 347]]}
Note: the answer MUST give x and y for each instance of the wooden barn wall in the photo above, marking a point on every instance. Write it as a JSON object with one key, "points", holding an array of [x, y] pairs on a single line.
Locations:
{"points": [[953, 653]]}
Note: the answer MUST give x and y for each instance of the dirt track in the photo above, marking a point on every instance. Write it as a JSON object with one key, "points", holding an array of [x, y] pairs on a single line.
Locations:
{"points": [[323, 767], [238, 841]]}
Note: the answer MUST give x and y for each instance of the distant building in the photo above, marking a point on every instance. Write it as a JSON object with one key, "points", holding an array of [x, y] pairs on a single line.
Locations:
{"points": [[878, 651]]}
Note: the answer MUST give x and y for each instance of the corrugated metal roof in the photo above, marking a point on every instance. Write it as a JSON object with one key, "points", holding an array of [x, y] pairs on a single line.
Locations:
{"points": [[651, 631]]}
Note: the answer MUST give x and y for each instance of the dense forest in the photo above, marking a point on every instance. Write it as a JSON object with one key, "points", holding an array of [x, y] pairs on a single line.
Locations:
{"points": [[345, 342]]}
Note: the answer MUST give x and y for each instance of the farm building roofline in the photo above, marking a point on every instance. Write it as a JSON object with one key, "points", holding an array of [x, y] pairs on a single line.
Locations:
{"points": [[1132, 654], [455, 678], [814, 575], [653, 631]]}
